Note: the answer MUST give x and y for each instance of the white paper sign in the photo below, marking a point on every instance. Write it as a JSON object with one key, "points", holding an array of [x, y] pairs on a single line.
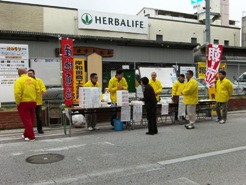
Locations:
{"points": [[164, 109], [125, 113], [137, 112]]}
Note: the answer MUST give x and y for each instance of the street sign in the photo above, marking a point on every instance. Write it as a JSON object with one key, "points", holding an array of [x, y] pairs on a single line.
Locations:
{"points": [[196, 1]]}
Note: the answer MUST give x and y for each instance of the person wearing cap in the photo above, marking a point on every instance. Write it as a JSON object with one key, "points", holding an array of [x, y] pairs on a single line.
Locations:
{"points": [[156, 84], [150, 105], [190, 94], [118, 82]]}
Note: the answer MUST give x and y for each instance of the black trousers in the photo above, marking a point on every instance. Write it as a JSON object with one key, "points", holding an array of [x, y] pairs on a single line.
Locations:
{"points": [[151, 117], [38, 117]]}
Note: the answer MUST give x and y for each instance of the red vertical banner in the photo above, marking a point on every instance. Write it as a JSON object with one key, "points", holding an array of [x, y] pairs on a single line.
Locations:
{"points": [[214, 55], [67, 70]]}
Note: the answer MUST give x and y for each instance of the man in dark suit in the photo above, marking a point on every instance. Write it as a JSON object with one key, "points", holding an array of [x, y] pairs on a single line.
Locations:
{"points": [[150, 105]]}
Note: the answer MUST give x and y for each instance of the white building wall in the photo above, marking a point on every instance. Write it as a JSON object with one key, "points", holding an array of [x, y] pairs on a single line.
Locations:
{"points": [[60, 21], [183, 32]]}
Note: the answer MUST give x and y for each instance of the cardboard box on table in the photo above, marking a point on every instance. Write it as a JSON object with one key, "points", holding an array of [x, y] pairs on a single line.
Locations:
{"points": [[89, 97], [122, 97]]}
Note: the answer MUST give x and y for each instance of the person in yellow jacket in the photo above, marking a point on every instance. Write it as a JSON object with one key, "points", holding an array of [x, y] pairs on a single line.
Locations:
{"points": [[190, 94], [26, 91], [223, 90], [38, 109], [118, 82], [91, 119], [156, 84], [177, 88]]}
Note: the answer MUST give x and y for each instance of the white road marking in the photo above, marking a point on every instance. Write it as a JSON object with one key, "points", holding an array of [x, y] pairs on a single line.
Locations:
{"points": [[179, 181], [103, 143], [200, 156], [59, 148], [115, 172], [70, 147], [17, 154]]}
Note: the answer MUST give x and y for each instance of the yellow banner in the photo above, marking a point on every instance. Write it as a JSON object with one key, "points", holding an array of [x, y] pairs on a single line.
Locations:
{"points": [[78, 77], [202, 69]]}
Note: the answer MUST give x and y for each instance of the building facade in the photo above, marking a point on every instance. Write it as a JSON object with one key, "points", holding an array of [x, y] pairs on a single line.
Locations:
{"points": [[151, 38]]}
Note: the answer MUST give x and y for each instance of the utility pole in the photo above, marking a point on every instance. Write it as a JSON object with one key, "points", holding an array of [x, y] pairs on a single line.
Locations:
{"points": [[207, 20]]}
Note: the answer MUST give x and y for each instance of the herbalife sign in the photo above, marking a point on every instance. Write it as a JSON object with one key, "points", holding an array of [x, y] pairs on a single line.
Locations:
{"points": [[112, 22]]}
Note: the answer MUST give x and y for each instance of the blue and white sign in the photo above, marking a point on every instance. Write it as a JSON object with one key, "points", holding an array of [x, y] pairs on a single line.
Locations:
{"points": [[196, 1]]}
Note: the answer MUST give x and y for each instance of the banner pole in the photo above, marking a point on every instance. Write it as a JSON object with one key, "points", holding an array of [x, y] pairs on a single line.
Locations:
{"points": [[64, 122]]}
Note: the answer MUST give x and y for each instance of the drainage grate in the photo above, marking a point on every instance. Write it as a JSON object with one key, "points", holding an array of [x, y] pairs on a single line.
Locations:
{"points": [[44, 158]]}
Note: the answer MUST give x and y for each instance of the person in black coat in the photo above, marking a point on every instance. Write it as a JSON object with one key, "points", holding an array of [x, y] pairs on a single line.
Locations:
{"points": [[150, 105]]}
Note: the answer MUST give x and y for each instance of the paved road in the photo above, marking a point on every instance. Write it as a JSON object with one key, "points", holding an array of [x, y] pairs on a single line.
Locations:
{"points": [[211, 154]]}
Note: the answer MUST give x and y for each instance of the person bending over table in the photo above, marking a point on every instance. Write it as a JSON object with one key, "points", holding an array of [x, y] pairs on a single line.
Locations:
{"points": [[150, 105]]}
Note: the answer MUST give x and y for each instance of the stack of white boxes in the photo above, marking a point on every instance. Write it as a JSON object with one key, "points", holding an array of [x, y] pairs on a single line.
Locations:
{"points": [[89, 97], [122, 98]]}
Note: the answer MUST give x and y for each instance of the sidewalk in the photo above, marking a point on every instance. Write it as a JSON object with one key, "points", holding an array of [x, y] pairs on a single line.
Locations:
{"points": [[14, 135]]}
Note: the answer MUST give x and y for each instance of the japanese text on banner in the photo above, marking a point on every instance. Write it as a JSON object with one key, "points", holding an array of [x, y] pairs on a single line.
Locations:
{"points": [[67, 70], [214, 54]]}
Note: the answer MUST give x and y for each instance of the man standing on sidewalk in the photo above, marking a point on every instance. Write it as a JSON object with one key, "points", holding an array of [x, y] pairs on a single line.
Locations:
{"points": [[224, 90], [26, 92], [38, 109], [190, 94]]}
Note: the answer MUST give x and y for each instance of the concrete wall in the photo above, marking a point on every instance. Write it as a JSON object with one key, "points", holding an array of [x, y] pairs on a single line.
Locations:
{"points": [[21, 18], [60, 21], [183, 32], [18, 17]]}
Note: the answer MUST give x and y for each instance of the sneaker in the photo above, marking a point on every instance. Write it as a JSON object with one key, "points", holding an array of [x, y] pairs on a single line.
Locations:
{"points": [[187, 125], [190, 126], [222, 121], [27, 139], [217, 120], [90, 128], [22, 136], [96, 128]]}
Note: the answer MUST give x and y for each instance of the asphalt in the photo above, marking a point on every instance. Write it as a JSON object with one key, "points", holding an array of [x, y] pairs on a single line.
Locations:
{"points": [[58, 131]]}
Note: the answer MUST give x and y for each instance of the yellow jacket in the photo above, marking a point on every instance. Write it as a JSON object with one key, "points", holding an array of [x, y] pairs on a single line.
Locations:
{"points": [[190, 92], [113, 87], [26, 89], [42, 90], [90, 84], [224, 89], [178, 88], [157, 86]]}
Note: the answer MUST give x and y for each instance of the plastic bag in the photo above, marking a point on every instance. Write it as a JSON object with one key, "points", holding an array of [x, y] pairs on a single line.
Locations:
{"points": [[79, 121]]}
